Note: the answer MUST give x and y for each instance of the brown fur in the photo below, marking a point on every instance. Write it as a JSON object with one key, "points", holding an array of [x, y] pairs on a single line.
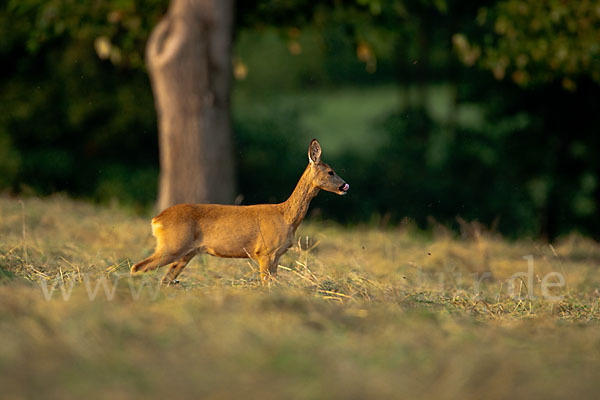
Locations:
{"points": [[261, 232]]}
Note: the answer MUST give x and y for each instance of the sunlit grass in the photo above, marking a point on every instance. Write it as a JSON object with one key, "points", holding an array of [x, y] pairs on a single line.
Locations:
{"points": [[358, 313]]}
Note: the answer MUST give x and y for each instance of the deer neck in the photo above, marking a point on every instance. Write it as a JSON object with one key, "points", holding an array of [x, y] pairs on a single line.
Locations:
{"points": [[296, 206]]}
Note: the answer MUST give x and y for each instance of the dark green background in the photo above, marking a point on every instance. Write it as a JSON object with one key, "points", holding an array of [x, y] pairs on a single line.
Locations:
{"points": [[418, 129]]}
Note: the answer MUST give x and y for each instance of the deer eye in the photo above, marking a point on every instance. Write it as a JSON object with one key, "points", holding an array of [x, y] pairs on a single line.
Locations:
{"points": [[330, 172]]}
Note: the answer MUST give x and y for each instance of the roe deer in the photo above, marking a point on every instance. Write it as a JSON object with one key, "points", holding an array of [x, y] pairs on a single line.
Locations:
{"points": [[262, 232]]}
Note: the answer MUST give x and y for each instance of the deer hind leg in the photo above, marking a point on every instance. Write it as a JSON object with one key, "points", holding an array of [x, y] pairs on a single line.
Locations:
{"points": [[156, 260], [168, 249], [175, 269]]}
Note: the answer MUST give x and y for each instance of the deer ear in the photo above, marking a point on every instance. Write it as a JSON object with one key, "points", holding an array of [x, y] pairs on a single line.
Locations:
{"points": [[314, 151]]}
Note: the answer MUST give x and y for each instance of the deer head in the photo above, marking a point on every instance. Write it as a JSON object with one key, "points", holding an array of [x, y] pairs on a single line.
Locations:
{"points": [[322, 175]]}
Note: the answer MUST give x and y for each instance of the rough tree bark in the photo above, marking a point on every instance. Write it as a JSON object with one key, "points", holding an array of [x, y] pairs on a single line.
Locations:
{"points": [[189, 61]]}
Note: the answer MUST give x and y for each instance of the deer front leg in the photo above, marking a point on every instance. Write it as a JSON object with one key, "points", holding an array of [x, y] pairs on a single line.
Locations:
{"points": [[268, 267], [273, 267]]}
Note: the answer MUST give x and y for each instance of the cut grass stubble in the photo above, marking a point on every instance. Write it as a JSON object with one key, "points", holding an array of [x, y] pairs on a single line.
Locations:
{"points": [[354, 313]]}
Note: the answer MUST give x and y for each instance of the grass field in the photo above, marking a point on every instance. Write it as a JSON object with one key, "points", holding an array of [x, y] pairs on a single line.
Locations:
{"points": [[355, 313]]}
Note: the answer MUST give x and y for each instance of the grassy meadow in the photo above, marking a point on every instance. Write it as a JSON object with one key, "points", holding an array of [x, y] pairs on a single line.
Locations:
{"points": [[356, 312]]}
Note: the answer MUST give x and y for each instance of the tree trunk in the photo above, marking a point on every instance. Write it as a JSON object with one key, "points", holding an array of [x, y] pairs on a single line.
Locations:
{"points": [[189, 62]]}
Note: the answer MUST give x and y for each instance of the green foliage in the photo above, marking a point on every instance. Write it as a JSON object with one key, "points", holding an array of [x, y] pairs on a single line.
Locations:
{"points": [[118, 29], [71, 116], [79, 115], [269, 148], [536, 42], [9, 161]]}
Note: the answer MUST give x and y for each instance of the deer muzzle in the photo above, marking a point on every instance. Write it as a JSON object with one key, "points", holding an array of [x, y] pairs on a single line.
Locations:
{"points": [[344, 188]]}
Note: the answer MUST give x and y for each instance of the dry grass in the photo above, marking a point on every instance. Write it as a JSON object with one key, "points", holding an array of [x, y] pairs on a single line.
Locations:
{"points": [[356, 313]]}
